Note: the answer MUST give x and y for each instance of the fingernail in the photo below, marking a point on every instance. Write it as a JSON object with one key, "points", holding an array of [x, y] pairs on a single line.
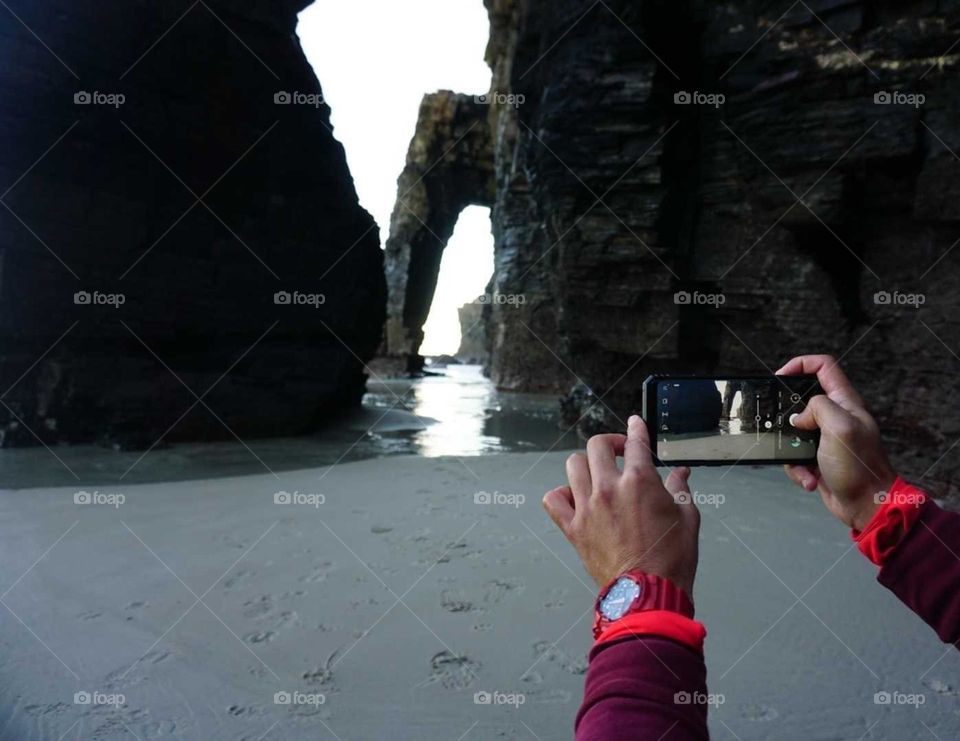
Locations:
{"points": [[793, 419], [633, 421]]}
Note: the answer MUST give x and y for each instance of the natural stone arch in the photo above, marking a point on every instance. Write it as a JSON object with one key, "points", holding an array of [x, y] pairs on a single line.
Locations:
{"points": [[449, 167]]}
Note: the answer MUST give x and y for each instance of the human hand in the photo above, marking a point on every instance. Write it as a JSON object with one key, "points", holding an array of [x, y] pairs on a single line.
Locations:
{"points": [[852, 467], [620, 521]]}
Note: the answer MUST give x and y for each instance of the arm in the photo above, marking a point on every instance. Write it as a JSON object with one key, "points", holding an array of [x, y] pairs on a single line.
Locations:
{"points": [[646, 674], [915, 543], [647, 683]]}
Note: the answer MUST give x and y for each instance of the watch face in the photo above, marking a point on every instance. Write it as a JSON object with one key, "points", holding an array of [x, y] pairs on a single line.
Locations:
{"points": [[618, 600]]}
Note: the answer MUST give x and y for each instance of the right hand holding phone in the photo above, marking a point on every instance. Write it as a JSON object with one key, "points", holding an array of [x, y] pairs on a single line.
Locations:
{"points": [[852, 467]]}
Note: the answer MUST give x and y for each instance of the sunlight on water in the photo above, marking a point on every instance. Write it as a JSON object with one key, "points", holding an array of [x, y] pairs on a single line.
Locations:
{"points": [[459, 413]]}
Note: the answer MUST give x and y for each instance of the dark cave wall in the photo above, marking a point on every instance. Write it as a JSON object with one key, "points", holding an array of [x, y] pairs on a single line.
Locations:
{"points": [[113, 208], [611, 198]]}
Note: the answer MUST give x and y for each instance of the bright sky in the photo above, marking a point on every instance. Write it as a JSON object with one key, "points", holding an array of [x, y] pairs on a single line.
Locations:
{"points": [[376, 59]]}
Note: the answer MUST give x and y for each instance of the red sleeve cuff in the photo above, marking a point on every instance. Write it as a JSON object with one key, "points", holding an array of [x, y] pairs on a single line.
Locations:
{"points": [[661, 623], [898, 512]]}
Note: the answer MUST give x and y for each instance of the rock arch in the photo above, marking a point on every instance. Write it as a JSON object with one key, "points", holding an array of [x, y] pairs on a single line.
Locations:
{"points": [[449, 167]]}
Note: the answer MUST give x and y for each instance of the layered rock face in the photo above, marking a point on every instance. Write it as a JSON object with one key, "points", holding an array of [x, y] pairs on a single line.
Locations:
{"points": [[701, 187], [810, 210], [449, 167], [182, 253], [473, 339]]}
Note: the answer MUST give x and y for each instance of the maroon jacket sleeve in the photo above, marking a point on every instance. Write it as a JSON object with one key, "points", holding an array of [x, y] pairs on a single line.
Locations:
{"points": [[644, 688], [924, 570]]}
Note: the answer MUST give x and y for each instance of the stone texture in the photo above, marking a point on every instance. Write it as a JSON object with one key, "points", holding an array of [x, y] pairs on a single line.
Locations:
{"points": [[449, 167], [610, 198], [112, 208], [473, 338]]}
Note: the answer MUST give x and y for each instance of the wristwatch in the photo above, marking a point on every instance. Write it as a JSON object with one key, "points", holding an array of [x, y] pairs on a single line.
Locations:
{"points": [[637, 591]]}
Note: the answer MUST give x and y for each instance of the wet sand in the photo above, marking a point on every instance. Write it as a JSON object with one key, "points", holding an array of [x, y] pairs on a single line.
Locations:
{"points": [[414, 585]]}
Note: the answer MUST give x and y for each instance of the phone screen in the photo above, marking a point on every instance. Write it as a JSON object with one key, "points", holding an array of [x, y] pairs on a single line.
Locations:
{"points": [[733, 420]]}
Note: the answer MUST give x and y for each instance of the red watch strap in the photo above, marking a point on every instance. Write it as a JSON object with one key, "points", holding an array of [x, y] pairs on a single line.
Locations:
{"points": [[669, 597]]}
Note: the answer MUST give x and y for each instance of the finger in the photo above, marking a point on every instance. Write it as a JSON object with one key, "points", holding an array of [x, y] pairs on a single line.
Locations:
{"points": [[559, 504], [636, 451], [677, 481], [832, 379], [602, 452], [823, 413], [578, 475], [802, 476]]}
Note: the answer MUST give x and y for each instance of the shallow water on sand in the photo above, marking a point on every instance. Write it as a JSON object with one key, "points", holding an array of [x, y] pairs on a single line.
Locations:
{"points": [[459, 413]]}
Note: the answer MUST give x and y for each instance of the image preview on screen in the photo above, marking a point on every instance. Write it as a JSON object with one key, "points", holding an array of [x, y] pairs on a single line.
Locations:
{"points": [[733, 419]]}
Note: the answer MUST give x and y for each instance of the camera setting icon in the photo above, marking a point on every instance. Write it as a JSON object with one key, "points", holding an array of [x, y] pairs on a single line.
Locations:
{"points": [[482, 698], [682, 298], [682, 97], [82, 98], [282, 98]]}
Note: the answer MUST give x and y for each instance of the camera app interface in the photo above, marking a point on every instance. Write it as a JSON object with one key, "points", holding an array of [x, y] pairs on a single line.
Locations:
{"points": [[733, 419]]}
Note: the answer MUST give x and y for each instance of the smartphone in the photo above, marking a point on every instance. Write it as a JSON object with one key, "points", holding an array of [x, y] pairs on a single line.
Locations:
{"points": [[729, 420]]}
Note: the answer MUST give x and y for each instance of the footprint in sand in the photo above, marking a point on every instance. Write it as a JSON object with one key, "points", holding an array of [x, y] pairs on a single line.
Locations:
{"points": [[762, 713], [54, 708], [322, 675], [454, 601], [258, 609], [89, 615], [550, 697], [239, 578], [495, 591], [939, 686], [550, 652], [555, 599], [319, 573], [156, 656], [452, 672], [264, 636]]}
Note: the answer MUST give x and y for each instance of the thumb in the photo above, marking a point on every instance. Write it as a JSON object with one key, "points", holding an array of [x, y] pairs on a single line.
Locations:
{"points": [[676, 482], [820, 413], [559, 505], [636, 449]]}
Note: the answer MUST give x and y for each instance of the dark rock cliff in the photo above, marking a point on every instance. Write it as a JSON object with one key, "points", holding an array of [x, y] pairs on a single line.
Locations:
{"points": [[188, 260], [694, 186]]}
